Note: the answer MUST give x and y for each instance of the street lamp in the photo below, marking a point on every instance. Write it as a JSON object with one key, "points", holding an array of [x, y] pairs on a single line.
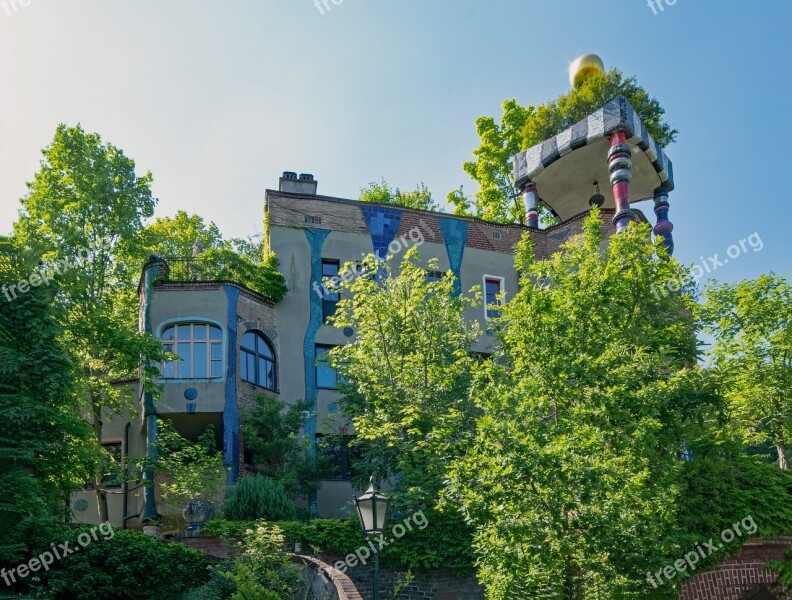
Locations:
{"points": [[372, 509]]}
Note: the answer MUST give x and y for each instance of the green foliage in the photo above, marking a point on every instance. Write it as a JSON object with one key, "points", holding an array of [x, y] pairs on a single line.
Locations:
{"points": [[129, 565], [420, 198], [443, 543], [192, 471], [405, 382], [584, 415], [242, 261], [46, 448], [258, 498], [261, 569], [554, 117], [85, 209], [750, 322], [521, 127], [271, 431]]}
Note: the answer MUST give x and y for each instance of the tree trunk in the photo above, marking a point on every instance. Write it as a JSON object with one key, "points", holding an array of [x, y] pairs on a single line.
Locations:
{"points": [[782, 459], [101, 495]]}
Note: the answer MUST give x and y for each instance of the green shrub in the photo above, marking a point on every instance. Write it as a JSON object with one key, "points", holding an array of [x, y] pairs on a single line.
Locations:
{"points": [[258, 498], [128, 565], [444, 543]]}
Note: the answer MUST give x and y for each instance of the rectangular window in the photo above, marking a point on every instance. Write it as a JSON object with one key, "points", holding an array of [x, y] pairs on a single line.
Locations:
{"points": [[200, 350], [112, 464], [330, 299], [326, 376], [434, 276], [339, 454], [493, 296]]}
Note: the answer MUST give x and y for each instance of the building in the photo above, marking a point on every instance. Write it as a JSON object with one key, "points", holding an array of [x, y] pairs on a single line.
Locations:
{"points": [[234, 343]]}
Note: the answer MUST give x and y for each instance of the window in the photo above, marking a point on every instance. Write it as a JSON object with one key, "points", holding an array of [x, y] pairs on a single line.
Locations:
{"points": [[434, 276], [257, 361], [496, 235], [329, 299], [326, 376], [112, 464], [200, 347], [493, 295], [337, 453]]}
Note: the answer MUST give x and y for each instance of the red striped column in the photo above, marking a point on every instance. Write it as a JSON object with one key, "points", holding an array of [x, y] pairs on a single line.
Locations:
{"points": [[620, 167], [531, 203]]}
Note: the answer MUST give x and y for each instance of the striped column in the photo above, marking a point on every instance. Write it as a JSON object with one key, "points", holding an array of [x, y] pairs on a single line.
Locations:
{"points": [[664, 227], [620, 165], [531, 203]]}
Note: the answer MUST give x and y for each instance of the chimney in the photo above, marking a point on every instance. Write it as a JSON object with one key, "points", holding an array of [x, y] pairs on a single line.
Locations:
{"points": [[304, 184]]}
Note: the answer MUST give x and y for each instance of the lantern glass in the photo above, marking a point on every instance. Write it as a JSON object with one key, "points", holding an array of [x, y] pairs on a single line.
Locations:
{"points": [[372, 509]]}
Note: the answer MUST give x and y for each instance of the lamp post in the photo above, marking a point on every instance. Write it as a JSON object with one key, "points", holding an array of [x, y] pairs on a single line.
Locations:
{"points": [[372, 509]]}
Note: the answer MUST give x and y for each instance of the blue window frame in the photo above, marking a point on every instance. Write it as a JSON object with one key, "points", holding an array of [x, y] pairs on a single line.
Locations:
{"points": [[257, 361]]}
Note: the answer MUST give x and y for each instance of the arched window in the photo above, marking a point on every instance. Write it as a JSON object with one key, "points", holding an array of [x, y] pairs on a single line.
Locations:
{"points": [[200, 347], [257, 364]]}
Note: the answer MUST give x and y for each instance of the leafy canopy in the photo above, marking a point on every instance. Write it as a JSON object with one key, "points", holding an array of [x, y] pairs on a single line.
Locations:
{"points": [[521, 127], [584, 415], [420, 198], [752, 355]]}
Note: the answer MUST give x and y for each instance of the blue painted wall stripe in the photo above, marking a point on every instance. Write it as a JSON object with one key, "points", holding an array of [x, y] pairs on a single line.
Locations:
{"points": [[455, 233], [231, 408]]}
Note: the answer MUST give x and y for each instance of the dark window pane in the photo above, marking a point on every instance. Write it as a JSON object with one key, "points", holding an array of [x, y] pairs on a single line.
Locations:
{"points": [[200, 359], [185, 366], [217, 351], [169, 370], [169, 333], [217, 368], [270, 375], [243, 372], [264, 348], [249, 341], [325, 374], [251, 367], [199, 332], [215, 333]]}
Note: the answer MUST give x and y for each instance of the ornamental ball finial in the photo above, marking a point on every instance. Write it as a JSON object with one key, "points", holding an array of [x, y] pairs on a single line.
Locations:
{"points": [[584, 67]]}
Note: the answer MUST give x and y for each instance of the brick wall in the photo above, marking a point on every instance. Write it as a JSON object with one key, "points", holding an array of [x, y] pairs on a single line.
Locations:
{"points": [[290, 210], [439, 584], [740, 577]]}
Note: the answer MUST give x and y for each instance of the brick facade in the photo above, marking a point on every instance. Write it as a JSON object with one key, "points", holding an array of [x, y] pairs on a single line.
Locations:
{"points": [[741, 577], [337, 214]]}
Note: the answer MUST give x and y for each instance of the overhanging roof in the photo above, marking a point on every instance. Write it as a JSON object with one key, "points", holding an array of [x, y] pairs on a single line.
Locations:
{"points": [[565, 167]]}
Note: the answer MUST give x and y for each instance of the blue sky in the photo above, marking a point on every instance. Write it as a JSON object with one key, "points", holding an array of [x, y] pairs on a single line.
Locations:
{"points": [[217, 98]]}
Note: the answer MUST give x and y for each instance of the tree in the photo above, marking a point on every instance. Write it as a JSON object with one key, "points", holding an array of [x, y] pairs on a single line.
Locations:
{"points": [[270, 430], [46, 448], [404, 383], [243, 261], [752, 354], [585, 414], [420, 198], [81, 218], [522, 127], [192, 470]]}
